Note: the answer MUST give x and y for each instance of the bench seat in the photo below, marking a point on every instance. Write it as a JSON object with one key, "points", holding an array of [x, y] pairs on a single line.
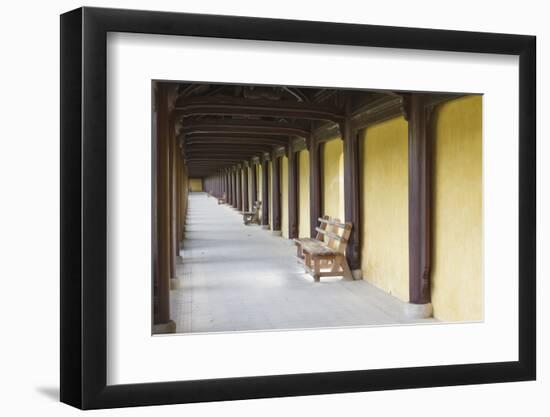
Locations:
{"points": [[318, 249]]}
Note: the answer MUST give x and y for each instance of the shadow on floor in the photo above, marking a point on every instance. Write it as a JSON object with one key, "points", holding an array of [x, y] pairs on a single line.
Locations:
{"points": [[50, 392]]}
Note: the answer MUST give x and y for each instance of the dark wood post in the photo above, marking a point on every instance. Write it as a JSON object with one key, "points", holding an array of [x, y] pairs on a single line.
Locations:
{"points": [[234, 184], [253, 184], [352, 192], [292, 194], [161, 311], [419, 199], [179, 192], [172, 199], [228, 186], [245, 187], [239, 181], [265, 193], [185, 199], [276, 194], [314, 183]]}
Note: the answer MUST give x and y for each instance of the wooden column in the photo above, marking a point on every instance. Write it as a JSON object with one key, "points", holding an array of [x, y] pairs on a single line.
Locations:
{"points": [[239, 180], [183, 209], [245, 187], [276, 193], [314, 183], [253, 184], [179, 192], [234, 187], [161, 255], [352, 192], [227, 187], [292, 194], [215, 180], [419, 200], [265, 194], [174, 251]]}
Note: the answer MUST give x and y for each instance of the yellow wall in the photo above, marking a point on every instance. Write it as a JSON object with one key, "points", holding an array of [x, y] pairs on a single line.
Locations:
{"points": [[303, 193], [385, 249], [333, 179], [457, 283], [195, 184], [284, 196]]}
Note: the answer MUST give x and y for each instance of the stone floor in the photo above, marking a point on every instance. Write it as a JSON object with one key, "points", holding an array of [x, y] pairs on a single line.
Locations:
{"points": [[242, 278]]}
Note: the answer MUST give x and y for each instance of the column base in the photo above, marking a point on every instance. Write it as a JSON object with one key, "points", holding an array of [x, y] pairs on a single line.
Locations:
{"points": [[277, 233], [265, 226], [176, 283], [417, 311], [164, 328], [357, 274]]}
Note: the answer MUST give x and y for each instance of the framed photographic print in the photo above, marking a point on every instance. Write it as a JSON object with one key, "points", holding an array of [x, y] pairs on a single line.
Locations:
{"points": [[257, 208]]}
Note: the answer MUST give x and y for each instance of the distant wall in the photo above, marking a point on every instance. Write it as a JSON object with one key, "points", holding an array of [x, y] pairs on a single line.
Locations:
{"points": [[195, 184]]}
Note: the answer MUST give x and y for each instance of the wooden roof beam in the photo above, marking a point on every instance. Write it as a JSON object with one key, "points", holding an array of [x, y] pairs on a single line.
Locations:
{"points": [[262, 108]]}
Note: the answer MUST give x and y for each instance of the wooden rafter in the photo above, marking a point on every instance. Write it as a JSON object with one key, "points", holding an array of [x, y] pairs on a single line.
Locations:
{"points": [[260, 108]]}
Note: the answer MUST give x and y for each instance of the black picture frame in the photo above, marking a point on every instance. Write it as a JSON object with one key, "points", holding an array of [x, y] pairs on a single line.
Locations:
{"points": [[84, 207]]}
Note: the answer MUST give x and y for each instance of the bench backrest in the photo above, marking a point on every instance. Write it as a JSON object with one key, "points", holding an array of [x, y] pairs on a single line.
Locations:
{"points": [[323, 222], [256, 206], [335, 232]]}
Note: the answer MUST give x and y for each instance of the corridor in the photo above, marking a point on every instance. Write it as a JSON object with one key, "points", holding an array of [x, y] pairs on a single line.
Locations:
{"points": [[242, 278]]}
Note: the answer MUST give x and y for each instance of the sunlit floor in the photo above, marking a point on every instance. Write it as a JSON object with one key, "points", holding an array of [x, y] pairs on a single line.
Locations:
{"points": [[239, 278]]}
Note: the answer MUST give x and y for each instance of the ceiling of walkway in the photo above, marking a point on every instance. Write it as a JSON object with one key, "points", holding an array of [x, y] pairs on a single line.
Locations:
{"points": [[222, 125]]}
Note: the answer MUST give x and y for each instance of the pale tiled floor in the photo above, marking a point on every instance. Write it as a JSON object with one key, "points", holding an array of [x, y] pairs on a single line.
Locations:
{"points": [[238, 278]]}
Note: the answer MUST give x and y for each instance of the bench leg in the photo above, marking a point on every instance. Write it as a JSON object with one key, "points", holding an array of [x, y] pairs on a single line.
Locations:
{"points": [[316, 270], [299, 252], [345, 268]]}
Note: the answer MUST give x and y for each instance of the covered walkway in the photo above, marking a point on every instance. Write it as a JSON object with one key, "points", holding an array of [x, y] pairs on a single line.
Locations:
{"points": [[397, 176], [237, 278]]}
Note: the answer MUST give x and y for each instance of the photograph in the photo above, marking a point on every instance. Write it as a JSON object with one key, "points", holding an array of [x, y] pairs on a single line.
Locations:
{"points": [[275, 209], [258, 207], [281, 207]]}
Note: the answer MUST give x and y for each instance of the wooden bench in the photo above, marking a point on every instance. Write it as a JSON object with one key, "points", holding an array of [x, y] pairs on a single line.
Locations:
{"points": [[253, 216], [222, 199], [318, 239], [326, 257]]}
